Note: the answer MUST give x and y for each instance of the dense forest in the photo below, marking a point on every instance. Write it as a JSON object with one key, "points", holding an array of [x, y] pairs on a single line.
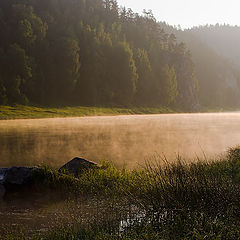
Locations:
{"points": [[215, 54], [95, 53], [90, 52]]}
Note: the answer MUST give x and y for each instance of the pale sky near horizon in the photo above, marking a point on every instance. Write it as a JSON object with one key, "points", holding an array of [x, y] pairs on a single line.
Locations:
{"points": [[188, 13]]}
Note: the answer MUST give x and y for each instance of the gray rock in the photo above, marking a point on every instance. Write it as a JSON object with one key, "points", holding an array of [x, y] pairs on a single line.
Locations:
{"points": [[76, 165], [15, 176], [2, 191], [2, 174], [18, 175]]}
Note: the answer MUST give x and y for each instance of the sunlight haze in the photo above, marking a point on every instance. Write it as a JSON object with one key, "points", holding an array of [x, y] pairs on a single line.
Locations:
{"points": [[189, 13], [119, 119]]}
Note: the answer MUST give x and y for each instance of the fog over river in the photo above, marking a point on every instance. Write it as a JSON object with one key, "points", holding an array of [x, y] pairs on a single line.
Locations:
{"points": [[124, 140]]}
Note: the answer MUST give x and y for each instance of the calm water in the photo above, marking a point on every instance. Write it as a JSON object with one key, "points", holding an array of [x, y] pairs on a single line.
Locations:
{"points": [[124, 140]]}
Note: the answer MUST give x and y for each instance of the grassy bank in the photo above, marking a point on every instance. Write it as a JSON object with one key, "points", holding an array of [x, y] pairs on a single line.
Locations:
{"points": [[30, 112], [163, 201]]}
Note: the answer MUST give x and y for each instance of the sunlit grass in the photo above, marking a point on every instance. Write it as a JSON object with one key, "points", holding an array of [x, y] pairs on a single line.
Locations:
{"points": [[31, 112], [161, 201]]}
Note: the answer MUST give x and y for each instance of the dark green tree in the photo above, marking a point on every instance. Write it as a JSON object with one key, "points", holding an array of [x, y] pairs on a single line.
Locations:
{"points": [[17, 71]]}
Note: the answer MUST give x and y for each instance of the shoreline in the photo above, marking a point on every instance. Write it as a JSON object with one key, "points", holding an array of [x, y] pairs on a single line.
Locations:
{"points": [[31, 112], [21, 112]]}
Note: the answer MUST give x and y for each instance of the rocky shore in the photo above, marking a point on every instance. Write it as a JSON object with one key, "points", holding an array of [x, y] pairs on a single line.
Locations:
{"points": [[15, 178]]}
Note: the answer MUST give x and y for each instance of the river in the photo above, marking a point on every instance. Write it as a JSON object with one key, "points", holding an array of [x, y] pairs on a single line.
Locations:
{"points": [[125, 140]]}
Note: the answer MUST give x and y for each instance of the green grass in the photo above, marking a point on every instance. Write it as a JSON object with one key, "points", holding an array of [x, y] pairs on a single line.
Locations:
{"points": [[31, 112], [223, 109], [163, 201]]}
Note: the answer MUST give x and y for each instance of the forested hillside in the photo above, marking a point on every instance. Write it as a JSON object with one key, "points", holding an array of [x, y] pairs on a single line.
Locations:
{"points": [[224, 39], [217, 73], [90, 52]]}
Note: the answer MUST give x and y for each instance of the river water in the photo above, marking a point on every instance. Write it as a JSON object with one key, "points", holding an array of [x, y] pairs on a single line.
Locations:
{"points": [[124, 140]]}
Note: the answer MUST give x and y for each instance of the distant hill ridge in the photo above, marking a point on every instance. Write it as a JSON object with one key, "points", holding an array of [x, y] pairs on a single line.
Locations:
{"points": [[223, 39], [216, 54]]}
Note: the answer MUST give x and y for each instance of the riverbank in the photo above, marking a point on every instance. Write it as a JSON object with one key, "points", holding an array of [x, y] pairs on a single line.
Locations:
{"points": [[31, 112], [35, 112], [162, 201]]}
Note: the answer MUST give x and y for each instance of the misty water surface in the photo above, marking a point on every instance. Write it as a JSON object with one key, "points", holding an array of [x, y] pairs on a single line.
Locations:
{"points": [[124, 140]]}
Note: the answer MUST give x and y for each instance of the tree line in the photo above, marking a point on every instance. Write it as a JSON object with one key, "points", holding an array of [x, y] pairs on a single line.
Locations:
{"points": [[90, 52]]}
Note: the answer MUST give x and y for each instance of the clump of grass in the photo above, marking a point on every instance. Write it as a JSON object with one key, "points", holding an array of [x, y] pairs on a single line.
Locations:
{"points": [[171, 201], [104, 181]]}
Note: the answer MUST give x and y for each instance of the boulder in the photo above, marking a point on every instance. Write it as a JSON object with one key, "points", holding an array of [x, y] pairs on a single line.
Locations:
{"points": [[76, 165], [18, 175], [2, 174], [2, 191], [14, 178]]}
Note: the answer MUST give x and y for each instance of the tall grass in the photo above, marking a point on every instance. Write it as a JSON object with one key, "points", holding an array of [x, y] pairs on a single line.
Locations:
{"points": [[162, 201]]}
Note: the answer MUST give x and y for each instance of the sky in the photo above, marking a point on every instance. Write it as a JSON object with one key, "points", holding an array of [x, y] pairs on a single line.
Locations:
{"points": [[188, 13]]}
